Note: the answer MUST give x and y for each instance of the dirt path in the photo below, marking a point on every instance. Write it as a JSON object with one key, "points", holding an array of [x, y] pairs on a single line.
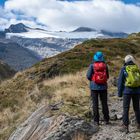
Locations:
{"points": [[112, 131]]}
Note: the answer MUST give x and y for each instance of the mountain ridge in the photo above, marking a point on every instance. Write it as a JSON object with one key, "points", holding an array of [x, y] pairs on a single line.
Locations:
{"points": [[21, 28]]}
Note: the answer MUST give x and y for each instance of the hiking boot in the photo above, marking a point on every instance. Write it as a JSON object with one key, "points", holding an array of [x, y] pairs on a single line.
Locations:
{"points": [[96, 124], [107, 122], [138, 127], [124, 128]]}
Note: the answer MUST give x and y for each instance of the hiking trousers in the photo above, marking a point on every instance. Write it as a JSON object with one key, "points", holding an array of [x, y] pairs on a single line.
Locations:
{"points": [[126, 105], [95, 94]]}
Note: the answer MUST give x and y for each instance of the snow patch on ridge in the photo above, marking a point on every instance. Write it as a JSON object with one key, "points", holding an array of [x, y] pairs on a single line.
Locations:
{"points": [[44, 34]]}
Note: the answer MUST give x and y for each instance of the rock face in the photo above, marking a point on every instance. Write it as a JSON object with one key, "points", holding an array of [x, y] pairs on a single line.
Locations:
{"points": [[26, 130], [69, 128], [63, 127], [17, 28]]}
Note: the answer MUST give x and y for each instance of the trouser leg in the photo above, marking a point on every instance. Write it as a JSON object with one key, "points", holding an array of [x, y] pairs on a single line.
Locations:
{"points": [[126, 105], [105, 110], [136, 107], [94, 96]]}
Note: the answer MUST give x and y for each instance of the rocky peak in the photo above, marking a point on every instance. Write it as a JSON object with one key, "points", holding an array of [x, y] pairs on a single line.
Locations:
{"points": [[17, 28], [84, 29]]}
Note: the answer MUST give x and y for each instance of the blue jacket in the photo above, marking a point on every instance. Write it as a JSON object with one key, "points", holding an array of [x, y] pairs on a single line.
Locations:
{"points": [[93, 85], [122, 89]]}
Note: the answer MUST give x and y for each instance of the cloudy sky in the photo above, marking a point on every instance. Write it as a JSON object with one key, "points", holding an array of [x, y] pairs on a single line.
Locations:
{"points": [[112, 15]]}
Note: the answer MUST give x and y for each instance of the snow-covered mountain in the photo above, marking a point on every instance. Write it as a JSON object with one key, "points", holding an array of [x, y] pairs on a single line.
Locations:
{"points": [[48, 43], [46, 47], [35, 33], [40, 43], [21, 30]]}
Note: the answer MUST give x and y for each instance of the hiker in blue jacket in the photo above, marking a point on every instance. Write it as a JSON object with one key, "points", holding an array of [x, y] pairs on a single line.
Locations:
{"points": [[129, 91], [97, 75]]}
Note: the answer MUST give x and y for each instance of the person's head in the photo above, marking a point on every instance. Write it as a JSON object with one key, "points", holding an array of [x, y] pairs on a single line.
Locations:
{"points": [[98, 56], [129, 58]]}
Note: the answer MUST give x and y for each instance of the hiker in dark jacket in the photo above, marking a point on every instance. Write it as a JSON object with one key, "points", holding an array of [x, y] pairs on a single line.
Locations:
{"points": [[129, 93], [98, 88]]}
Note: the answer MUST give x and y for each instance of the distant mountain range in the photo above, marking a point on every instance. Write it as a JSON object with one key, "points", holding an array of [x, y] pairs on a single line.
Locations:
{"points": [[22, 30], [105, 33], [23, 46]]}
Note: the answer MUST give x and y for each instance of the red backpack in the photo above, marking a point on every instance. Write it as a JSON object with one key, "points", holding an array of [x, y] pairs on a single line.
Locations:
{"points": [[100, 74]]}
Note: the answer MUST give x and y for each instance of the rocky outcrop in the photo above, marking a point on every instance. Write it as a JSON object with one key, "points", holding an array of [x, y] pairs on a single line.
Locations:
{"points": [[63, 127], [68, 128], [31, 125]]}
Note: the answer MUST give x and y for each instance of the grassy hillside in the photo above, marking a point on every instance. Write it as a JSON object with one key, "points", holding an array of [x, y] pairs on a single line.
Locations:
{"points": [[81, 56], [35, 86]]}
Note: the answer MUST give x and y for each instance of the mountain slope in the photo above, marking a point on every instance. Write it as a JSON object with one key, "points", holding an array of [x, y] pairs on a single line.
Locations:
{"points": [[46, 47], [2, 34], [114, 34], [34, 87], [16, 56], [5, 71], [80, 57]]}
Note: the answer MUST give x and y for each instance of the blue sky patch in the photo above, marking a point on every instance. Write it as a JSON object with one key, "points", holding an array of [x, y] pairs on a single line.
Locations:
{"points": [[126, 1]]}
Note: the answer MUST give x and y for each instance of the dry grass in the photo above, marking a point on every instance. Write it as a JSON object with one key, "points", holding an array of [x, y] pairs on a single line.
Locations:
{"points": [[72, 89], [70, 86]]}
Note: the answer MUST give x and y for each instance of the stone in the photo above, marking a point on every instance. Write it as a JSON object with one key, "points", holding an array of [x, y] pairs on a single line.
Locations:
{"points": [[63, 127], [119, 117]]}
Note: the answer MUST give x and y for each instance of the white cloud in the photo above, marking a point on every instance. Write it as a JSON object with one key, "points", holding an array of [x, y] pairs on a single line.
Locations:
{"points": [[111, 15]]}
